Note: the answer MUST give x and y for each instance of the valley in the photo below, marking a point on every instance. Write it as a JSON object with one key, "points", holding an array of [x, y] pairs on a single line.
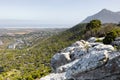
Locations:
{"points": [[20, 38], [59, 40], [28, 56]]}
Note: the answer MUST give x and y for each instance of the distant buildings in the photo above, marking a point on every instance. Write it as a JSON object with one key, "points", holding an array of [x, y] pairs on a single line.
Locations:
{"points": [[12, 46], [1, 42], [17, 43]]}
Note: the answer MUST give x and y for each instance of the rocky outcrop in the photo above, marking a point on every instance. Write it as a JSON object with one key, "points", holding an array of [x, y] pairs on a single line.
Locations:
{"points": [[116, 42], [87, 63], [85, 60]]}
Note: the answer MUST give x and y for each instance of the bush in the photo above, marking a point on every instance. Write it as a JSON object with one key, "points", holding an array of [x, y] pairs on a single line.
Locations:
{"points": [[110, 37], [35, 75], [93, 24], [29, 77]]}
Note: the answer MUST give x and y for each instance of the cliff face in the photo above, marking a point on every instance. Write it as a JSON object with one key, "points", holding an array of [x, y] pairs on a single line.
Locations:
{"points": [[86, 60]]}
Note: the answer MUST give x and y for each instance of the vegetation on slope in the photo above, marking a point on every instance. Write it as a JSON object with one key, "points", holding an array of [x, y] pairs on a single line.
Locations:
{"points": [[34, 62]]}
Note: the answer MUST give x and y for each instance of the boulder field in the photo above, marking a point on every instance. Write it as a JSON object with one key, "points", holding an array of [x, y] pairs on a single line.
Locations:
{"points": [[86, 60]]}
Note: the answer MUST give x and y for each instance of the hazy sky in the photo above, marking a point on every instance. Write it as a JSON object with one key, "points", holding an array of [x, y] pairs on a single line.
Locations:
{"points": [[54, 11]]}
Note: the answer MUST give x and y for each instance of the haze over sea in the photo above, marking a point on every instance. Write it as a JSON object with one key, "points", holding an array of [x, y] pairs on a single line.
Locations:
{"points": [[51, 13]]}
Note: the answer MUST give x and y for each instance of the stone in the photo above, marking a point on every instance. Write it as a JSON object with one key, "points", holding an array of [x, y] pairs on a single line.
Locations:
{"points": [[116, 42], [109, 71], [85, 60], [59, 59], [88, 62], [54, 76], [100, 46], [68, 49], [78, 53], [94, 39], [117, 39], [65, 67]]}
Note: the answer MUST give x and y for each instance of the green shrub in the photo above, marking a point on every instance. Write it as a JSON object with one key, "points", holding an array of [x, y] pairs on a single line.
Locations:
{"points": [[35, 75], [110, 37], [93, 24], [29, 78]]}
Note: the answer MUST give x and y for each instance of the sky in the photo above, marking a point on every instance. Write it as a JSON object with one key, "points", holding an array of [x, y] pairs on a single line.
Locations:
{"points": [[54, 11]]}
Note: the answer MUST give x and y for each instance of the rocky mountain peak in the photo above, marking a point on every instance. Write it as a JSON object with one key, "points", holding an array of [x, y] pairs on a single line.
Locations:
{"points": [[104, 10]]}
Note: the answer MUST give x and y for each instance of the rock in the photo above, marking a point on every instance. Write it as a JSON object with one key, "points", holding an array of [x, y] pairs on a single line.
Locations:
{"points": [[109, 71], [86, 61], [116, 42], [65, 57], [101, 46], [80, 44], [68, 49], [94, 39], [65, 67], [78, 53], [54, 76], [59, 59], [117, 39]]}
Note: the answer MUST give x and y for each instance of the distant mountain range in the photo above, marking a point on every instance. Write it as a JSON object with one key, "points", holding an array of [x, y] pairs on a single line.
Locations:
{"points": [[106, 16]]}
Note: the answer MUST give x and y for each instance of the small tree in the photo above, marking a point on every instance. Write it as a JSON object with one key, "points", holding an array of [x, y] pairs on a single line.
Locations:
{"points": [[110, 37], [93, 24]]}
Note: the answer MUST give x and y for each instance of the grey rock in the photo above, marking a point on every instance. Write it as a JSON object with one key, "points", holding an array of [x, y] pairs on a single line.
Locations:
{"points": [[54, 76], [86, 61], [116, 42], [117, 39], [109, 71], [59, 59], [94, 39]]}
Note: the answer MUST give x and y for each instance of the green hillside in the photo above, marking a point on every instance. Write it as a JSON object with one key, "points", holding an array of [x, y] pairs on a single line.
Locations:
{"points": [[34, 62]]}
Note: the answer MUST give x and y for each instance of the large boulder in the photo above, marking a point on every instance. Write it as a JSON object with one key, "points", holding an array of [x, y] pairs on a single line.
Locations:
{"points": [[109, 71], [67, 55], [86, 61]]}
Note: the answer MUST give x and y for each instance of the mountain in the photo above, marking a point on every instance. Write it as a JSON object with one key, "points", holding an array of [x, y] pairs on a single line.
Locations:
{"points": [[118, 12], [106, 16]]}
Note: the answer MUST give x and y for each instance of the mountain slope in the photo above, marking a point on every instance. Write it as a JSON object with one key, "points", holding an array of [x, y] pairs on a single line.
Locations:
{"points": [[106, 16], [34, 62]]}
